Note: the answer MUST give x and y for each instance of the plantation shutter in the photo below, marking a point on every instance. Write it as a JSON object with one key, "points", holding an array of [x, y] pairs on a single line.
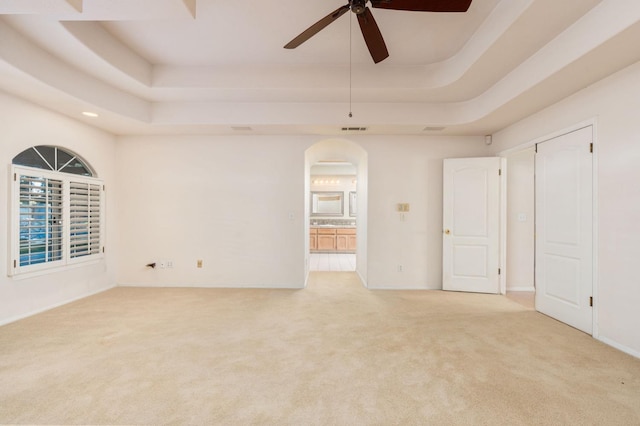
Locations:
{"points": [[40, 220], [84, 219], [57, 211]]}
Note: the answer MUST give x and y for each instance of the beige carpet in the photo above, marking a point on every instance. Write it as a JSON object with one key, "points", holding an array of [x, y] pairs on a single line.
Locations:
{"points": [[331, 354]]}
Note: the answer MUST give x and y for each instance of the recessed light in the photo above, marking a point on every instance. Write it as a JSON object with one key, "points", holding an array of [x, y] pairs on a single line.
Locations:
{"points": [[90, 114]]}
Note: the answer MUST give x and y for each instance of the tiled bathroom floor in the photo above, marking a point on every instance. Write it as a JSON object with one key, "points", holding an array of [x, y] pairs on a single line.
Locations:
{"points": [[332, 262]]}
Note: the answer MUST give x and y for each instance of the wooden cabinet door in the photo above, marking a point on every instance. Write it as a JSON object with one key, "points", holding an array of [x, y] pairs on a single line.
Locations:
{"points": [[313, 239], [342, 242], [326, 239], [326, 242], [345, 239], [351, 243]]}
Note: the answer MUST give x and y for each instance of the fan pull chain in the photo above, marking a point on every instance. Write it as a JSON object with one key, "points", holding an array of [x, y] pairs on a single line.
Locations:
{"points": [[350, 64]]}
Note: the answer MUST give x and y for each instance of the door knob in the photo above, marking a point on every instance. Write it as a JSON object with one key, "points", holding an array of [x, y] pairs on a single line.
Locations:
{"points": [[446, 231]]}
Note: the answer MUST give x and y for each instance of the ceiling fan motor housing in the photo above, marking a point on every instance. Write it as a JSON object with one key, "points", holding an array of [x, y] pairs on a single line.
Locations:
{"points": [[357, 6]]}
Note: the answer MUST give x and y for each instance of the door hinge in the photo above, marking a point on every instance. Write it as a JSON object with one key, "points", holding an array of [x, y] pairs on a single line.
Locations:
{"points": [[104, 187], [499, 271], [591, 147], [499, 172], [15, 263], [591, 301], [103, 249], [15, 177]]}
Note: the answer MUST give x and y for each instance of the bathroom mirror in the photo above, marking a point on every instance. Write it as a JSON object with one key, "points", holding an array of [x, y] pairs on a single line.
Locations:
{"points": [[353, 204], [325, 203]]}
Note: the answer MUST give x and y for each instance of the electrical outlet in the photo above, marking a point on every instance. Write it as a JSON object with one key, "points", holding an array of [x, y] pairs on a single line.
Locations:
{"points": [[399, 268], [162, 264], [169, 263], [199, 263]]}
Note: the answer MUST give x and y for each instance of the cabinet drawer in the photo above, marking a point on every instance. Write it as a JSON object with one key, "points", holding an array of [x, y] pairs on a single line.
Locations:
{"points": [[326, 231], [347, 231]]}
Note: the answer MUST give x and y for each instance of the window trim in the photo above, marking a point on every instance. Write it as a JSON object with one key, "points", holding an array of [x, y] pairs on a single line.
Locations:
{"points": [[14, 268]]}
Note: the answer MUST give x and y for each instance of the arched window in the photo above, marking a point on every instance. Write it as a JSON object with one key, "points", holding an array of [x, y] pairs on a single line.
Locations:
{"points": [[52, 158], [57, 210]]}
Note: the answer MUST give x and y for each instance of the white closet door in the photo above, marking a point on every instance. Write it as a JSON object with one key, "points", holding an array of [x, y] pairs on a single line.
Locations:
{"points": [[564, 228]]}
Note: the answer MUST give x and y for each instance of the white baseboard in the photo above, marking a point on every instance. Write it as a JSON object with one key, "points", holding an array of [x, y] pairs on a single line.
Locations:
{"points": [[362, 280], [48, 308], [619, 347], [407, 287], [216, 286], [530, 289]]}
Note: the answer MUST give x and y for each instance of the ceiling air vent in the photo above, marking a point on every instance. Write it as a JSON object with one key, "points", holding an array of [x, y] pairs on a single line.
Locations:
{"points": [[241, 128], [433, 128], [354, 129]]}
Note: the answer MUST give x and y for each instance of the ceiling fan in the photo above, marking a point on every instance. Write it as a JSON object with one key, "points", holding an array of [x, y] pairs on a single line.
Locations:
{"points": [[368, 26]]}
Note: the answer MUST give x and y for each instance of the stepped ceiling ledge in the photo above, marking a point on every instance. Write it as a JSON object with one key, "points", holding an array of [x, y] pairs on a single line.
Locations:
{"points": [[207, 66]]}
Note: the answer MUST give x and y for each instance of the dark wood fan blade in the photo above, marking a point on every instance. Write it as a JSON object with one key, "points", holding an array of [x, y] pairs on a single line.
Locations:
{"points": [[424, 5], [317, 27], [372, 36]]}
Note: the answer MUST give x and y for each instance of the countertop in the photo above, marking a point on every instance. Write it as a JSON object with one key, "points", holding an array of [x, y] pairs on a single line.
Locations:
{"points": [[333, 226]]}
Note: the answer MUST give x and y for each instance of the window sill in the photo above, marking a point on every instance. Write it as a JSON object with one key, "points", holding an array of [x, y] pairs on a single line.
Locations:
{"points": [[19, 276]]}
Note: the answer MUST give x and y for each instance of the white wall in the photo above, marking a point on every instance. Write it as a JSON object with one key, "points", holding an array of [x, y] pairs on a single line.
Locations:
{"points": [[409, 170], [227, 200], [615, 103], [24, 125], [520, 220]]}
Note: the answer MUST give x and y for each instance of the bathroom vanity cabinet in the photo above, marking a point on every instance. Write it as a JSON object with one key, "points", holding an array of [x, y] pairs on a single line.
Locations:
{"points": [[332, 239]]}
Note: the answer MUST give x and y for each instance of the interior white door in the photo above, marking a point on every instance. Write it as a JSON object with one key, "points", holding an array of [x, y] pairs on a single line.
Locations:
{"points": [[471, 224], [564, 228]]}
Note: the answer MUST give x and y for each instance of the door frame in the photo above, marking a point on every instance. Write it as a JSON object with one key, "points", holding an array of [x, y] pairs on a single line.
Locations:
{"points": [[593, 122], [332, 148]]}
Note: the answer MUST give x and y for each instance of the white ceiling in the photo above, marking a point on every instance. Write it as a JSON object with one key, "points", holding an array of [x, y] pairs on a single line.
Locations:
{"points": [[209, 66]]}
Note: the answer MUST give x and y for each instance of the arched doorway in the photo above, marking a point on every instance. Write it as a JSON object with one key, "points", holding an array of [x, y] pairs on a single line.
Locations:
{"points": [[341, 151]]}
